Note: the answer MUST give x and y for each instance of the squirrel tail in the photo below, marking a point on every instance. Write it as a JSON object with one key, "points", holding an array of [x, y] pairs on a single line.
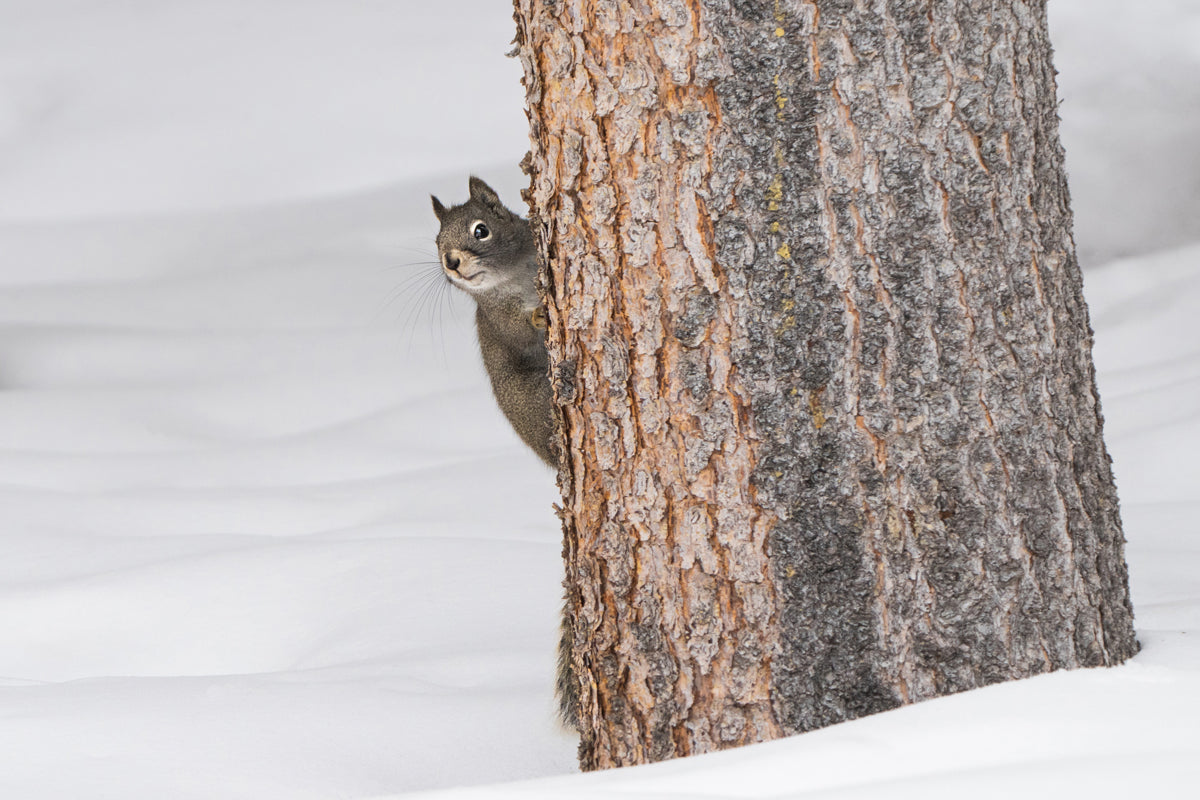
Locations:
{"points": [[567, 683]]}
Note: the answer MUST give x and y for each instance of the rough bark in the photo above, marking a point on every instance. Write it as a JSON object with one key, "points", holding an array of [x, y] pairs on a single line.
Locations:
{"points": [[822, 362]]}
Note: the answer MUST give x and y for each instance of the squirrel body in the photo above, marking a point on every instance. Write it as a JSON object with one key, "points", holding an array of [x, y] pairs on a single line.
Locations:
{"points": [[487, 251]]}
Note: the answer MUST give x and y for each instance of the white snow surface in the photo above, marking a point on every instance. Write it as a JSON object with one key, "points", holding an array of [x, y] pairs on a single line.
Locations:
{"points": [[264, 534]]}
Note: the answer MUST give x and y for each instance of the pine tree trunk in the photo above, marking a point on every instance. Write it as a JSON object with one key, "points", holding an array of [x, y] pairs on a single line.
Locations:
{"points": [[822, 362]]}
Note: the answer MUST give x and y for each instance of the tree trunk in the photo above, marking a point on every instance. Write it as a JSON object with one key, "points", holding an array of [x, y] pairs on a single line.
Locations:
{"points": [[822, 362]]}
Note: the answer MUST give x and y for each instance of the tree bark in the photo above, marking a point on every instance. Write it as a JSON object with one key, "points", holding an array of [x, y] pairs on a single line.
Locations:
{"points": [[822, 362]]}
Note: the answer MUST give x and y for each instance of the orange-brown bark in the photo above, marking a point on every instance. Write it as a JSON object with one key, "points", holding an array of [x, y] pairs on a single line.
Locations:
{"points": [[671, 586]]}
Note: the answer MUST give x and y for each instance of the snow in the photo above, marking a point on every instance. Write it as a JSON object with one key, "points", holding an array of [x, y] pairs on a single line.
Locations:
{"points": [[265, 535], [1129, 84]]}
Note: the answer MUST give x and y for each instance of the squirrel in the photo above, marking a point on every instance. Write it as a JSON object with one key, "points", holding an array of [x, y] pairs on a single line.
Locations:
{"points": [[487, 251]]}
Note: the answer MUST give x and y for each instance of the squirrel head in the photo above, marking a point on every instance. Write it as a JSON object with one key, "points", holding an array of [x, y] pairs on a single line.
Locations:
{"points": [[486, 249]]}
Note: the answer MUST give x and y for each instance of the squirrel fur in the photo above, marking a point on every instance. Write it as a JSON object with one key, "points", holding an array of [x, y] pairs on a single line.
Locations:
{"points": [[487, 251]]}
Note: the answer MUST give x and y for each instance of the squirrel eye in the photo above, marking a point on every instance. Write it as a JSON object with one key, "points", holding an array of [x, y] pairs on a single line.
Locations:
{"points": [[480, 231]]}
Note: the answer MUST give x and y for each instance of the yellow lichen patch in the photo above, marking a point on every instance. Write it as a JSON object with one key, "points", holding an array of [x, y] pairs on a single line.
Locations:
{"points": [[780, 102], [779, 32], [775, 193], [784, 251], [774, 227]]}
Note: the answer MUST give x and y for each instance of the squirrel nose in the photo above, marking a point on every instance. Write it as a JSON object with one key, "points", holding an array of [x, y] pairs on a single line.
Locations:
{"points": [[452, 263]]}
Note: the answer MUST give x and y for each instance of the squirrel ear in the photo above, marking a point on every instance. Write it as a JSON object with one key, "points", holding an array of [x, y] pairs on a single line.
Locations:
{"points": [[485, 194], [438, 208]]}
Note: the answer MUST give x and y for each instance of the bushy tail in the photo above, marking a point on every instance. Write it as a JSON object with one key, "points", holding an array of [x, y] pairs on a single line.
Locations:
{"points": [[567, 682]]}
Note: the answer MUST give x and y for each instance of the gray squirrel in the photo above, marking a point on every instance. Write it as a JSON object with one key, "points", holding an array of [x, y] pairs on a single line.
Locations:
{"points": [[488, 251]]}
